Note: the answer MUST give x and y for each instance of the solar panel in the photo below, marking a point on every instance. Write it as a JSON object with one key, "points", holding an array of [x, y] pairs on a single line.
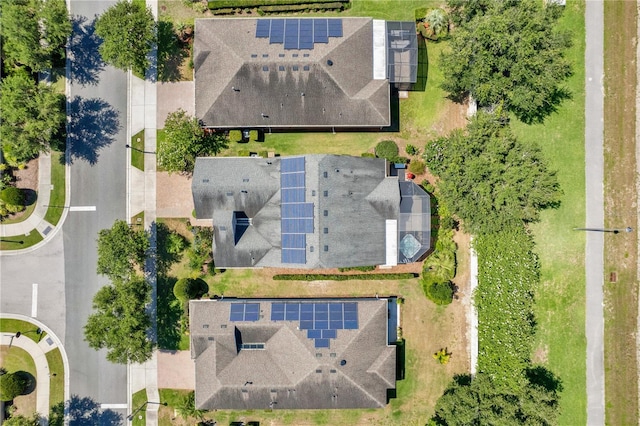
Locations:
{"points": [[314, 334], [306, 34], [329, 334], [253, 308], [292, 180], [296, 226], [292, 165], [334, 27], [277, 311], [322, 324], [350, 307], [251, 316], [277, 31], [297, 210], [322, 315], [236, 317], [350, 316], [322, 343], [292, 195], [350, 325], [292, 312], [320, 31], [294, 256], [306, 325], [263, 28], [322, 307], [291, 34], [294, 241], [306, 311], [336, 324]]}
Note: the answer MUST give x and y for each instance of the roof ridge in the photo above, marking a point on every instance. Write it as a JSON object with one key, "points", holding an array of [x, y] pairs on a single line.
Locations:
{"points": [[379, 363], [364, 391]]}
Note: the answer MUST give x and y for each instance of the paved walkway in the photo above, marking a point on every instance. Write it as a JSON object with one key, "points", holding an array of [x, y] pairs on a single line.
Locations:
{"points": [[38, 351], [594, 169], [35, 221]]}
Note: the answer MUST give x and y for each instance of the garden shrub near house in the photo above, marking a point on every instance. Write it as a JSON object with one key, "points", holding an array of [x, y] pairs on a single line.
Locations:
{"points": [[12, 385], [417, 167], [388, 150], [253, 135], [12, 196], [186, 289], [235, 136]]}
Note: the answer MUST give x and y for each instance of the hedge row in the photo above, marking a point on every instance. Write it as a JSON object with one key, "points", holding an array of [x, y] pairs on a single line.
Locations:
{"points": [[305, 6], [248, 4], [337, 277]]}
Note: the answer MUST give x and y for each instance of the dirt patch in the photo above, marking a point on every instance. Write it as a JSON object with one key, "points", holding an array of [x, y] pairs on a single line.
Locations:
{"points": [[27, 178], [541, 355]]}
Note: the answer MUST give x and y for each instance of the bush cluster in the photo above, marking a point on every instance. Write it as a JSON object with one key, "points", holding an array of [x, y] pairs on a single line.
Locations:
{"points": [[417, 167], [235, 136], [337, 277], [253, 135], [12, 196], [12, 385], [388, 150], [305, 7], [201, 250], [248, 4], [358, 268], [440, 267], [186, 289]]}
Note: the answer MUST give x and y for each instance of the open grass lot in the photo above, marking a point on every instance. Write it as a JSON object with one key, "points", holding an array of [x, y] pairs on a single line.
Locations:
{"points": [[17, 359], [621, 297], [560, 299], [54, 212]]}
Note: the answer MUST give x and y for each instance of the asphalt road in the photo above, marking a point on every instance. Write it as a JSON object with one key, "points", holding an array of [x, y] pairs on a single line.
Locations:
{"points": [[594, 168], [96, 140]]}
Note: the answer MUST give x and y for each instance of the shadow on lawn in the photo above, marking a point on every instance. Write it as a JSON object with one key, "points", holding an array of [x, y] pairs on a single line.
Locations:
{"points": [[169, 312]]}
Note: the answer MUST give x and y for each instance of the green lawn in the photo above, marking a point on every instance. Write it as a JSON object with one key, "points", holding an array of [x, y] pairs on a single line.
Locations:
{"points": [[560, 299], [56, 366], [138, 399], [57, 200], [137, 156], [20, 241]]}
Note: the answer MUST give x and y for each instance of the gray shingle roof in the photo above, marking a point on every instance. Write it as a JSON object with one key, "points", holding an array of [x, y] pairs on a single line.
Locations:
{"points": [[239, 81], [289, 372]]}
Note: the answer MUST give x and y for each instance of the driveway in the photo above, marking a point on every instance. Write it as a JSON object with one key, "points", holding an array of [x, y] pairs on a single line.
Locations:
{"points": [[176, 370], [173, 197], [174, 96]]}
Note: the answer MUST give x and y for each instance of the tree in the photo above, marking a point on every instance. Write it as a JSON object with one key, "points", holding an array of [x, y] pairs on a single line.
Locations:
{"points": [[184, 141], [187, 407], [438, 22], [120, 322], [33, 31], [34, 420], [387, 149], [186, 289], [128, 33], [32, 115], [488, 178], [56, 26], [12, 385], [509, 53], [12, 196], [121, 249]]}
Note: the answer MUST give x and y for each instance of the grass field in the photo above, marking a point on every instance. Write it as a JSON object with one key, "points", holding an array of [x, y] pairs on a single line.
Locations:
{"points": [[56, 366], [18, 242], [621, 291], [560, 299], [137, 156], [17, 359], [138, 399], [54, 212]]}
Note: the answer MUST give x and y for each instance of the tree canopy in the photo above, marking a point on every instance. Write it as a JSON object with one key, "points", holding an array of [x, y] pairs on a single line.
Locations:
{"points": [[128, 33], [20, 420], [509, 53], [32, 116], [121, 249], [184, 141], [489, 179], [34, 30], [12, 385], [120, 322]]}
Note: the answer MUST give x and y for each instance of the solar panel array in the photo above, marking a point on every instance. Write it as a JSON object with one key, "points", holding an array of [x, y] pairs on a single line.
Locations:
{"points": [[244, 312], [296, 216], [321, 320], [298, 33]]}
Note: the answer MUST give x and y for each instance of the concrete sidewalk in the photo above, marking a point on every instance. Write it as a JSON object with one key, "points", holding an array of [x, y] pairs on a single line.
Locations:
{"points": [[35, 221]]}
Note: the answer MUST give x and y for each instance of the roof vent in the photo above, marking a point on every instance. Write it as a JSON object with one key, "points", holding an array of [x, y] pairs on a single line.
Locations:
{"points": [[343, 362], [329, 62]]}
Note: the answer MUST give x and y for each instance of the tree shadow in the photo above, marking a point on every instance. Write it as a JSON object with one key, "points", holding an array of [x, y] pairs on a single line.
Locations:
{"points": [[171, 53], [30, 196], [169, 312], [168, 252], [92, 125], [423, 67], [83, 412], [85, 62], [541, 376]]}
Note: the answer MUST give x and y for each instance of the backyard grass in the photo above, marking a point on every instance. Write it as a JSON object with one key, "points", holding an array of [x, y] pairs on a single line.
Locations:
{"points": [[17, 359], [137, 148], [57, 199], [620, 291], [560, 299], [20, 241], [56, 369]]}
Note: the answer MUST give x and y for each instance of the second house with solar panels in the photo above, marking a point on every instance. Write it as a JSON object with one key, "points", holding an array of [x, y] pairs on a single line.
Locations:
{"points": [[313, 211], [304, 73]]}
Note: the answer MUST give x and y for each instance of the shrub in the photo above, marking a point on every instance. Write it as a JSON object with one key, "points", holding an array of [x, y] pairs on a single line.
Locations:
{"points": [[388, 150], [235, 136], [12, 196], [263, 154], [367, 155], [186, 289], [337, 277], [417, 167], [12, 385], [412, 150], [427, 186], [243, 153], [358, 268], [439, 292], [253, 135]]}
